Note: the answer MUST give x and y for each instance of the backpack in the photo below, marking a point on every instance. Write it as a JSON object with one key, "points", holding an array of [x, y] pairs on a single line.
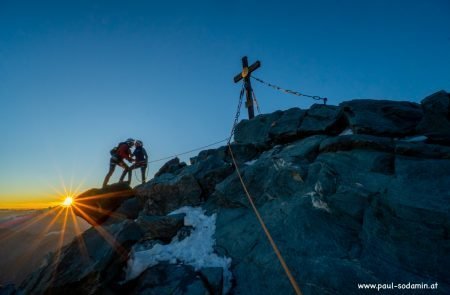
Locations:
{"points": [[114, 150]]}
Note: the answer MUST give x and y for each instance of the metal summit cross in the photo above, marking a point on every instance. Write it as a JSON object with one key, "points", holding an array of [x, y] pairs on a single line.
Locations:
{"points": [[245, 74]]}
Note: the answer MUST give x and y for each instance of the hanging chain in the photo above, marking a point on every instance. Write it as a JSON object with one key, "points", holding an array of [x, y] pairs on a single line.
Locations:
{"points": [[315, 97], [256, 102], [238, 114]]}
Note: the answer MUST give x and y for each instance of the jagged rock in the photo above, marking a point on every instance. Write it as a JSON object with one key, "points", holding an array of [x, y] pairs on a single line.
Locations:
{"points": [[365, 208], [436, 120], [242, 152], [422, 150], [129, 209], [167, 279], [162, 228], [91, 265], [320, 229], [97, 205], [171, 166], [285, 128], [322, 119], [256, 130], [356, 141], [266, 179], [208, 172], [165, 194], [281, 127], [407, 225], [382, 117], [213, 279], [304, 149], [220, 153]]}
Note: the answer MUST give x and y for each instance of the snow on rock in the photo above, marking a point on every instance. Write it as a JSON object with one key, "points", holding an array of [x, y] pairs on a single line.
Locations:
{"points": [[347, 131], [250, 163], [418, 138], [196, 250]]}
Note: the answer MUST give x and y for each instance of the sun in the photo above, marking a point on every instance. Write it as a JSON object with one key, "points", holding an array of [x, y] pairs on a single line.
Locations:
{"points": [[68, 201]]}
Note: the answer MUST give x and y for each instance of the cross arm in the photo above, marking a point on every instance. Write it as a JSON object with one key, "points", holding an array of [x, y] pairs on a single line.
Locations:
{"points": [[251, 68]]}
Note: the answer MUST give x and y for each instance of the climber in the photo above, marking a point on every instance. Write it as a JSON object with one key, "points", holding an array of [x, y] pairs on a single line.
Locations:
{"points": [[141, 158], [118, 155]]}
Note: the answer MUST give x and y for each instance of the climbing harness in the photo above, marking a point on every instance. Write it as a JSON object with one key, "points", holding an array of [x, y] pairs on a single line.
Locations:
{"points": [[136, 174]]}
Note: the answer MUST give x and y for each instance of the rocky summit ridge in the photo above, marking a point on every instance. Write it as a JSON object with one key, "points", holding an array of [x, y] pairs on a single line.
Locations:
{"points": [[355, 193]]}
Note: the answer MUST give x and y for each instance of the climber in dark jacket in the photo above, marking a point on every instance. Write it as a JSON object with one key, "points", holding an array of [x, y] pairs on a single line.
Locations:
{"points": [[140, 158], [118, 155]]}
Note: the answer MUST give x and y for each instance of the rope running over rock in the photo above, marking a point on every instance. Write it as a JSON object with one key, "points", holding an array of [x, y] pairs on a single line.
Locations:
{"points": [[258, 215]]}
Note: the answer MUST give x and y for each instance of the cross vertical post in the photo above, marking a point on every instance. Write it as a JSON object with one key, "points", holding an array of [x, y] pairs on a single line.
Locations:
{"points": [[245, 76]]}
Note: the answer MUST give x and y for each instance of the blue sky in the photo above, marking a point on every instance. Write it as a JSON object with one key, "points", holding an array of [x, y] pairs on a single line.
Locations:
{"points": [[77, 77]]}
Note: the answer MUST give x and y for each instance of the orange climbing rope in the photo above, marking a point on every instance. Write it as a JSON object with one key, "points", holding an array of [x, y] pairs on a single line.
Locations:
{"points": [[250, 199], [266, 231]]}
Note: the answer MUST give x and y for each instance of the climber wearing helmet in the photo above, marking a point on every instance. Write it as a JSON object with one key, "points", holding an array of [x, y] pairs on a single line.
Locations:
{"points": [[118, 155], [141, 158]]}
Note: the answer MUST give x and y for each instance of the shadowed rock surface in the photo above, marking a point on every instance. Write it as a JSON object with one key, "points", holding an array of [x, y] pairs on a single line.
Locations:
{"points": [[371, 206], [97, 205]]}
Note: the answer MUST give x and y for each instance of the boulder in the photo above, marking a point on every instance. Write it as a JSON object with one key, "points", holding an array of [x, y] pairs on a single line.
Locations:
{"points": [[422, 150], [213, 279], [209, 172], [289, 125], [382, 117], [322, 119], [129, 209], [162, 228], [171, 166], [407, 225], [97, 205], [169, 192], [305, 149], [256, 130], [167, 279], [356, 141], [436, 120], [220, 153], [267, 178], [285, 128]]}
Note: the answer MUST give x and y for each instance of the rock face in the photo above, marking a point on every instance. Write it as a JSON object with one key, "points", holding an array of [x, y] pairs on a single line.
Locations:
{"points": [[435, 123], [381, 117], [370, 206], [97, 205]]}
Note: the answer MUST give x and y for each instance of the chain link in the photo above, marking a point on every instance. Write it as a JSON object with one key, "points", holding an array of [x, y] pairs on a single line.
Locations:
{"points": [[238, 114], [256, 102], [315, 97]]}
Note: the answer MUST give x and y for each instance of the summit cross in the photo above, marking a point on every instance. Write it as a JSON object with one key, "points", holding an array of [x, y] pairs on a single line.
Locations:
{"points": [[245, 75]]}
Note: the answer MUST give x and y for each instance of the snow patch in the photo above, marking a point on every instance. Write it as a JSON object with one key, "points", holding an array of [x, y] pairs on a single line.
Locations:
{"points": [[196, 250], [347, 131], [250, 163], [280, 164], [319, 204], [415, 138]]}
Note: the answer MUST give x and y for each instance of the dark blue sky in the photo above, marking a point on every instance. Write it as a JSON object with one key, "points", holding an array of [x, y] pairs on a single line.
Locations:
{"points": [[76, 77]]}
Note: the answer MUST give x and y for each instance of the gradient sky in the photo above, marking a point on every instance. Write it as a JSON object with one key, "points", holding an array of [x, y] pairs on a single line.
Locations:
{"points": [[77, 77]]}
